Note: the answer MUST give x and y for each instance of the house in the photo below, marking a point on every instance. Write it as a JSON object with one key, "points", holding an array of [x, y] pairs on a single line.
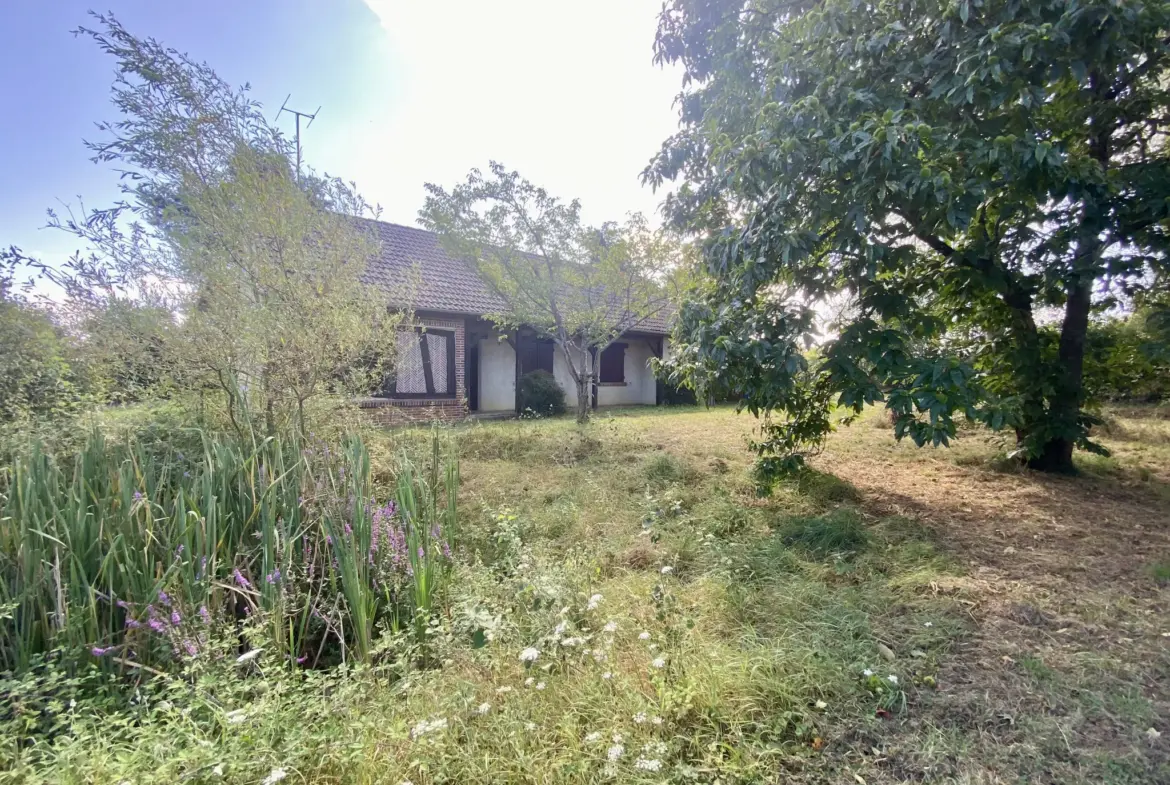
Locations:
{"points": [[453, 362]]}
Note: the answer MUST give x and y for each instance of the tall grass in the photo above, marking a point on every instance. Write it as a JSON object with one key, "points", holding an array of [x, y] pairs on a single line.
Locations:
{"points": [[136, 557]]}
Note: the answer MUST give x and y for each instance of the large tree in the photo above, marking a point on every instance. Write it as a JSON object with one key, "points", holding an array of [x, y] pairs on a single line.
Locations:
{"points": [[954, 169], [262, 265], [580, 286]]}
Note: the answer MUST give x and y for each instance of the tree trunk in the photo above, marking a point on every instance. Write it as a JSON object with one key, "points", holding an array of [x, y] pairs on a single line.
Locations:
{"points": [[583, 392]]}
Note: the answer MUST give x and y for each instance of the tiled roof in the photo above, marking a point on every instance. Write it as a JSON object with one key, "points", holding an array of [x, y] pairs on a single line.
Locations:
{"points": [[414, 266]]}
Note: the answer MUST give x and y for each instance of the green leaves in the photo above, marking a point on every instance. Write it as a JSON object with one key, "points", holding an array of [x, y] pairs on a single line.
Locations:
{"points": [[945, 168]]}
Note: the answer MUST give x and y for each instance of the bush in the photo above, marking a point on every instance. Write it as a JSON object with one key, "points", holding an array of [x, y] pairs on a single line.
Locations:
{"points": [[540, 393]]}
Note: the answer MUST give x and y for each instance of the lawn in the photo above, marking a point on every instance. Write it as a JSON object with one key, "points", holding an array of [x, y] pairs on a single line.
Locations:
{"points": [[625, 608]]}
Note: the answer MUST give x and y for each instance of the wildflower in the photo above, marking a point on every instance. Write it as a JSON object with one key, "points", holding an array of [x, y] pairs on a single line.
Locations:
{"points": [[190, 647], [643, 636], [236, 717], [248, 656], [656, 720], [203, 614], [659, 662], [651, 764], [821, 705], [571, 642], [530, 726], [593, 737], [867, 673], [667, 570], [639, 718], [615, 752], [530, 654], [540, 685], [607, 675], [559, 629], [483, 708], [424, 727], [240, 579], [502, 690], [132, 624], [617, 738], [274, 576], [529, 681], [610, 626], [138, 496], [928, 624], [892, 679], [157, 625], [218, 770], [98, 651], [653, 647], [594, 601], [162, 595], [175, 617], [275, 776]]}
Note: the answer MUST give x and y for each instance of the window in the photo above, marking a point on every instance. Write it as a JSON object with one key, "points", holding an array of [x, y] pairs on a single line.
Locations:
{"points": [[424, 367], [613, 364]]}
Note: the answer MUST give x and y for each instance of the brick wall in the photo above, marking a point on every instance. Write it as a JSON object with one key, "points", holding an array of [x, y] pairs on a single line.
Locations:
{"points": [[390, 411]]}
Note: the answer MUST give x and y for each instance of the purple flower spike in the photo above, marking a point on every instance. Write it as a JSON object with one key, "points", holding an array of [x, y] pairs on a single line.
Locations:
{"points": [[132, 624], [157, 625], [138, 496], [163, 598], [190, 648], [98, 651], [240, 579], [175, 617], [203, 614]]}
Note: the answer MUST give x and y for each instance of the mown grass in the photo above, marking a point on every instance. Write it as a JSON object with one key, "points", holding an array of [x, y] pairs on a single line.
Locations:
{"points": [[772, 627]]}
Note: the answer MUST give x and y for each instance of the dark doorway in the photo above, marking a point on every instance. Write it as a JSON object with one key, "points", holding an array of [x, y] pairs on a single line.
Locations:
{"points": [[472, 371]]}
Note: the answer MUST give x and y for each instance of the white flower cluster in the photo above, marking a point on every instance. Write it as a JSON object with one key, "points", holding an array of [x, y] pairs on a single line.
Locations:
{"points": [[615, 752], [275, 776], [610, 626], [530, 654], [593, 738], [659, 662], [594, 601], [428, 726], [648, 764]]}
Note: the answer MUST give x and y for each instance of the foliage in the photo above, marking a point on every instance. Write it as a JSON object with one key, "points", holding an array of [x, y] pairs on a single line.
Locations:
{"points": [[941, 170], [1125, 359], [135, 557], [769, 653], [222, 264], [38, 377], [580, 286], [541, 393]]}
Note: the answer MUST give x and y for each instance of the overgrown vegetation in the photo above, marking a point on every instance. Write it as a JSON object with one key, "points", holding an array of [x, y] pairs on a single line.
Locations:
{"points": [[140, 559], [634, 612]]}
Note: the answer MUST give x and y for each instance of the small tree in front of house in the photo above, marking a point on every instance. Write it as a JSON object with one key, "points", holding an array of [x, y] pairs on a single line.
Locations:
{"points": [[580, 286]]}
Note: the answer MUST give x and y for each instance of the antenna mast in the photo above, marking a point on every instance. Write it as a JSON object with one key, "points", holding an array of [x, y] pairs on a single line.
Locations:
{"points": [[298, 115]]}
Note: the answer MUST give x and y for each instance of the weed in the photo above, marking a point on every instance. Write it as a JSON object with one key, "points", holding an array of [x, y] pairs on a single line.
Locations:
{"points": [[840, 531]]}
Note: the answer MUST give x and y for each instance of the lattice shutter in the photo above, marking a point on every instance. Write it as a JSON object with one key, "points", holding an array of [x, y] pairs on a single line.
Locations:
{"points": [[409, 370], [437, 348]]}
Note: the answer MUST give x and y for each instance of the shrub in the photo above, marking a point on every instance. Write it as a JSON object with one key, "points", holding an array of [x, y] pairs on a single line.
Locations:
{"points": [[540, 393]]}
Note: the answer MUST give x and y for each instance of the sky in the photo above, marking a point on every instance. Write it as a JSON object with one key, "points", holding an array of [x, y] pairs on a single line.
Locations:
{"points": [[410, 92]]}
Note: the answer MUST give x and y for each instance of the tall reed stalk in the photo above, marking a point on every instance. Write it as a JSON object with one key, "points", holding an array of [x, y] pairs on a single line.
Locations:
{"points": [[130, 556]]}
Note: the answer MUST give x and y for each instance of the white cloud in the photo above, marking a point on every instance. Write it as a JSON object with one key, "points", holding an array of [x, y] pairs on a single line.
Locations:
{"points": [[565, 92]]}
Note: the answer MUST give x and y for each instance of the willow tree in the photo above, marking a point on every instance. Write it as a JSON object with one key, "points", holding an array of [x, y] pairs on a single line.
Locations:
{"points": [[955, 170], [581, 287], [261, 265]]}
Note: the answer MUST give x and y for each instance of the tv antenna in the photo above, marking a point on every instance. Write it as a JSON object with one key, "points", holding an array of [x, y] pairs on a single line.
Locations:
{"points": [[298, 115]]}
